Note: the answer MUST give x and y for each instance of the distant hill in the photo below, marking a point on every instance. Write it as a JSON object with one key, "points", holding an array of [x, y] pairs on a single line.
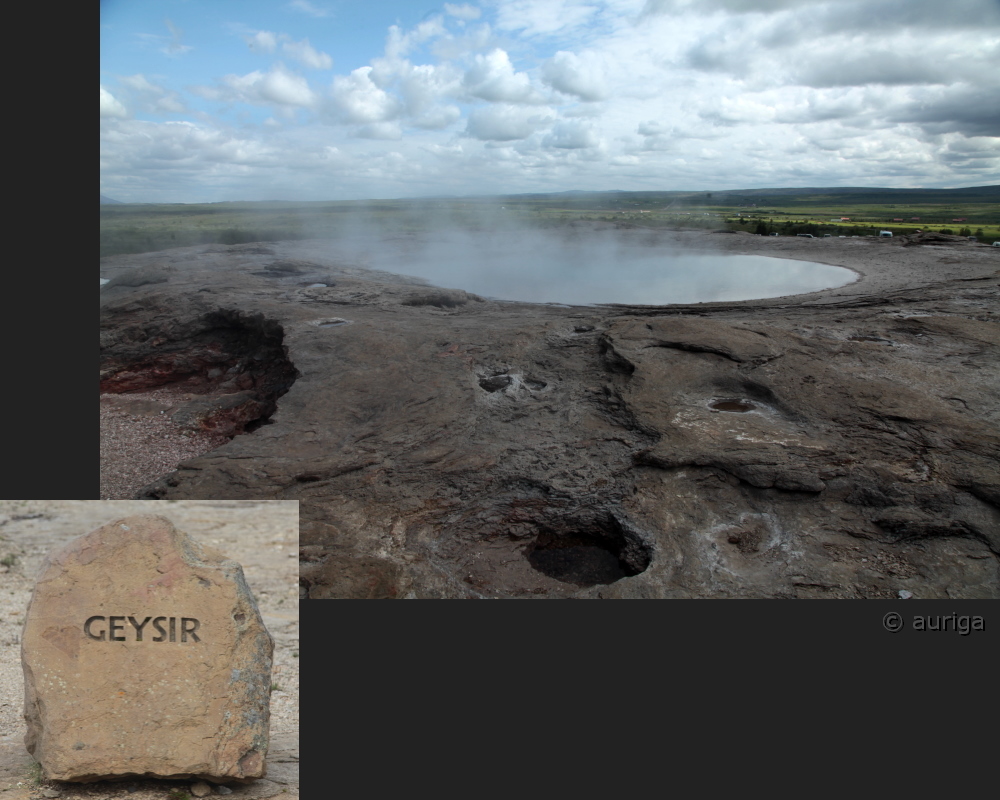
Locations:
{"points": [[863, 195], [108, 201], [809, 196]]}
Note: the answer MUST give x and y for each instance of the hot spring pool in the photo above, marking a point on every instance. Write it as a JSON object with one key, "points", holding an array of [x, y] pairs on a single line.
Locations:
{"points": [[593, 271]]}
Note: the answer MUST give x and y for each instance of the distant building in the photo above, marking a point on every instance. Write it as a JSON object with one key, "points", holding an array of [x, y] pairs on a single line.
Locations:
{"points": [[845, 219], [897, 220], [959, 219], [914, 219]]}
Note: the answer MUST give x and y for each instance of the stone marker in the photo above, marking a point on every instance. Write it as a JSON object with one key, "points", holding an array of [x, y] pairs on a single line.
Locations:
{"points": [[144, 654]]}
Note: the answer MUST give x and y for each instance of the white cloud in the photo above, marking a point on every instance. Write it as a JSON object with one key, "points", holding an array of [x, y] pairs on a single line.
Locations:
{"points": [[306, 55], [848, 105], [651, 128], [544, 17], [504, 123], [399, 45], [420, 88], [464, 11], [151, 97], [308, 8], [135, 144], [278, 86], [356, 98], [739, 110], [302, 51], [545, 95], [492, 77], [571, 136], [264, 41], [174, 47], [110, 107], [570, 74], [282, 87], [437, 118], [452, 46], [380, 130]]}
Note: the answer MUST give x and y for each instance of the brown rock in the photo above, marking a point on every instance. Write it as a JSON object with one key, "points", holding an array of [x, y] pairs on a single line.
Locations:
{"points": [[144, 654]]}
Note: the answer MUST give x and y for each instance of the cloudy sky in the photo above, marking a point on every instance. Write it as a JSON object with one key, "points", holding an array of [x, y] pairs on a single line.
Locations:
{"points": [[344, 99]]}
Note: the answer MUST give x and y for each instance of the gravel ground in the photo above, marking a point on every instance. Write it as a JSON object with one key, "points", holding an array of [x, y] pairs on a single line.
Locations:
{"points": [[261, 535], [140, 442]]}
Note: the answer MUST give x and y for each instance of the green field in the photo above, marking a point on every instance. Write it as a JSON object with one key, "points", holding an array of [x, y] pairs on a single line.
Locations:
{"points": [[144, 228]]}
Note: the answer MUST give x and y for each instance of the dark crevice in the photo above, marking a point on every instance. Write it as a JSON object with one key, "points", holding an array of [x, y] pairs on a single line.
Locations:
{"points": [[235, 363]]}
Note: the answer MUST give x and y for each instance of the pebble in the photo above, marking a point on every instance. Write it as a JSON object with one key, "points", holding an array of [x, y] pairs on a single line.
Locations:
{"points": [[905, 595], [49, 792], [201, 789], [223, 790], [137, 450]]}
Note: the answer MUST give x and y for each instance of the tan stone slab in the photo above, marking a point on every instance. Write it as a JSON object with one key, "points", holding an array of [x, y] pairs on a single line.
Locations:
{"points": [[144, 654]]}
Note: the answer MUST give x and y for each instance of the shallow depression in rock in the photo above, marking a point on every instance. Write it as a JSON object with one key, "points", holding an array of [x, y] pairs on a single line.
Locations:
{"points": [[738, 406], [594, 270]]}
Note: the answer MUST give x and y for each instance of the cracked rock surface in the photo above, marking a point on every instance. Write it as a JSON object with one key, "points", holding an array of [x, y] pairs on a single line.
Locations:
{"points": [[836, 444]]}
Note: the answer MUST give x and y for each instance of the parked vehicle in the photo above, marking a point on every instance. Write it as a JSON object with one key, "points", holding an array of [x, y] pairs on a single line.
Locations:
{"points": [[806, 235], [887, 234]]}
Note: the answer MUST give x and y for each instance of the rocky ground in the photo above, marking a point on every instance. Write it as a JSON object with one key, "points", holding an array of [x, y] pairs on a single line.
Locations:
{"points": [[141, 441], [837, 444], [261, 536]]}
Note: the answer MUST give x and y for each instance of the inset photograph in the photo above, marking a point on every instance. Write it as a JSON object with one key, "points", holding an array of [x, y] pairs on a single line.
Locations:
{"points": [[150, 649]]}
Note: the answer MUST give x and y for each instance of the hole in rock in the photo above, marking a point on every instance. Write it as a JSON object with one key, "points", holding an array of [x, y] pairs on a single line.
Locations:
{"points": [[731, 405], [495, 383], [226, 369], [600, 553], [331, 323]]}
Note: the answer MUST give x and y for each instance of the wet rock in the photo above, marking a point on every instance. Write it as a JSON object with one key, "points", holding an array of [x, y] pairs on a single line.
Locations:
{"points": [[144, 654]]}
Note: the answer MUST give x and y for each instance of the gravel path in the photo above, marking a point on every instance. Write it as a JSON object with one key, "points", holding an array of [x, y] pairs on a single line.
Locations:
{"points": [[261, 535], [140, 442]]}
